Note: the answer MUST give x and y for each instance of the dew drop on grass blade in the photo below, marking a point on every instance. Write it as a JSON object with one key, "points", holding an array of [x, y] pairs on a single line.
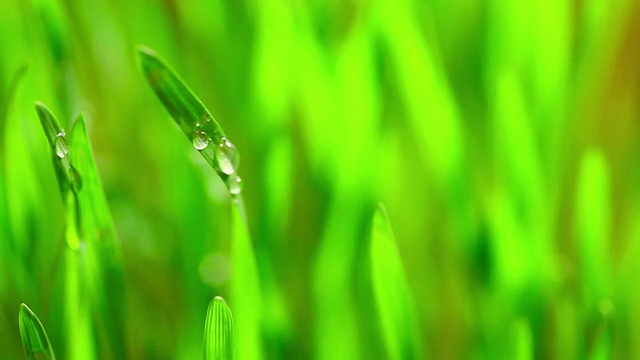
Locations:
{"points": [[218, 331], [34, 337], [68, 177], [191, 115], [391, 291]]}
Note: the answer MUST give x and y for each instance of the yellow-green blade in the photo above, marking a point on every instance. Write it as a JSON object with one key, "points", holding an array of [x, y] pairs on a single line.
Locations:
{"points": [[34, 337], [391, 291], [218, 331], [245, 288]]}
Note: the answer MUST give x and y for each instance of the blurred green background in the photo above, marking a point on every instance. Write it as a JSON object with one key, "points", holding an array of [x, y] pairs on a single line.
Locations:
{"points": [[502, 136]]}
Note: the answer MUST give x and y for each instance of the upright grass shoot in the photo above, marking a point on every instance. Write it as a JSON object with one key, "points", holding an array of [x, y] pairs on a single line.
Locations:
{"points": [[34, 337], [206, 135], [218, 331]]}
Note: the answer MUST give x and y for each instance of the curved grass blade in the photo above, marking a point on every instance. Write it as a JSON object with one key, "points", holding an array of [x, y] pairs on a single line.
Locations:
{"points": [[202, 129], [192, 116], [34, 337], [391, 291], [218, 331]]}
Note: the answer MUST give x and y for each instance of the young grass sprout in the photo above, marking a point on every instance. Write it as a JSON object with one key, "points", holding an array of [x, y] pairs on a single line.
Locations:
{"points": [[34, 337], [218, 331]]}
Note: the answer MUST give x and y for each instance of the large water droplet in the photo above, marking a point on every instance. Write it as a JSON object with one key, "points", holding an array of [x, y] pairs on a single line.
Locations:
{"points": [[227, 156], [200, 140], [62, 148], [234, 183]]}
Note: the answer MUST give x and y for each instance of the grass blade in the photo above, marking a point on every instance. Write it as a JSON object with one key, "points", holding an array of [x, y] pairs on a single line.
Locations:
{"points": [[191, 115], [97, 231], [245, 288], [202, 129], [218, 331], [67, 175], [34, 337], [391, 291], [93, 265]]}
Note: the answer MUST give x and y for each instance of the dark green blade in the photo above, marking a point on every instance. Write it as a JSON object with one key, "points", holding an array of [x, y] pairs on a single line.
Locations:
{"points": [[218, 331], [57, 137], [190, 114], [34, 337]]}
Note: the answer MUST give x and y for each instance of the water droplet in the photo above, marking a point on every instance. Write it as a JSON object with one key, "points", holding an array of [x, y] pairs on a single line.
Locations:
{"points": [[76, 180], [234, 183], [227, 156], [62, 148], [204, 120], [200, 140], [76, 245]]}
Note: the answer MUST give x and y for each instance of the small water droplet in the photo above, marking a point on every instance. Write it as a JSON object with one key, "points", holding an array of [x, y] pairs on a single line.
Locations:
{"points": [[200, 140], [204, 120], [234, 183], [227, 156], [62, 148], [76, 180]]}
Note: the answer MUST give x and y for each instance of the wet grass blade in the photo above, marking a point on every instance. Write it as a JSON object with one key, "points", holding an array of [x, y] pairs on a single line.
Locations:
{"points": [[57, 137], [391, 291], [191, 115], [34, 337], [218, 331], [93, 264], [209, 139]]}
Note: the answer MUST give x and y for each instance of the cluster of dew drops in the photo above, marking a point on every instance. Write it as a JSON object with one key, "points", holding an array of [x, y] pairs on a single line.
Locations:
{"points": [[226, 156]]}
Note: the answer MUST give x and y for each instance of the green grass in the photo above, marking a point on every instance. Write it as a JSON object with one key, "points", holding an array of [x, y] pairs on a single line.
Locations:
{"points": [[218, 331], [502, 138], [34, 337], [208, 138], [391, 291]]}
